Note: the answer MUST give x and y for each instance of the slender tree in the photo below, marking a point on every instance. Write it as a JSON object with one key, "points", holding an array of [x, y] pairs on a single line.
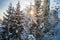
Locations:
{"points": [[6, 21], [46, 9], [16, 22]]}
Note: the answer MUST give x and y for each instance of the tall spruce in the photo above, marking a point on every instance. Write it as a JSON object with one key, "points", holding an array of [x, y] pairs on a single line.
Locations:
{"points": [[17, 26], [7, 22], [12, 22], [46, 9], [39, 33], [35, 28]]}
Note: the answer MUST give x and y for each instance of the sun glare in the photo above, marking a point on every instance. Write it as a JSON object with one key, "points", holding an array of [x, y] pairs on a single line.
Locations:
{"points": [[31, 12]]}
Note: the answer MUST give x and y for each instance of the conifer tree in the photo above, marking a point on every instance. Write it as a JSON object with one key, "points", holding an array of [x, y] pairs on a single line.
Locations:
{"points": [[12, 22], [39, 33], [35, 28], [46, 9], [17, 21], [16, 26], [6, 22]]}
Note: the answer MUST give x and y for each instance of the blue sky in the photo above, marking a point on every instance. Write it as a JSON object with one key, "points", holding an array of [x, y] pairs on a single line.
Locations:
{"points": [[5, 3]]}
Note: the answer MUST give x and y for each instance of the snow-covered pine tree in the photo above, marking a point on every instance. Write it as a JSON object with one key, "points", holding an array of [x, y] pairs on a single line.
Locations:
{"points": [[39, 33], [12, 22], [35, 28], [45, 15], [6, 22], [16, 22], [46, 10]]}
